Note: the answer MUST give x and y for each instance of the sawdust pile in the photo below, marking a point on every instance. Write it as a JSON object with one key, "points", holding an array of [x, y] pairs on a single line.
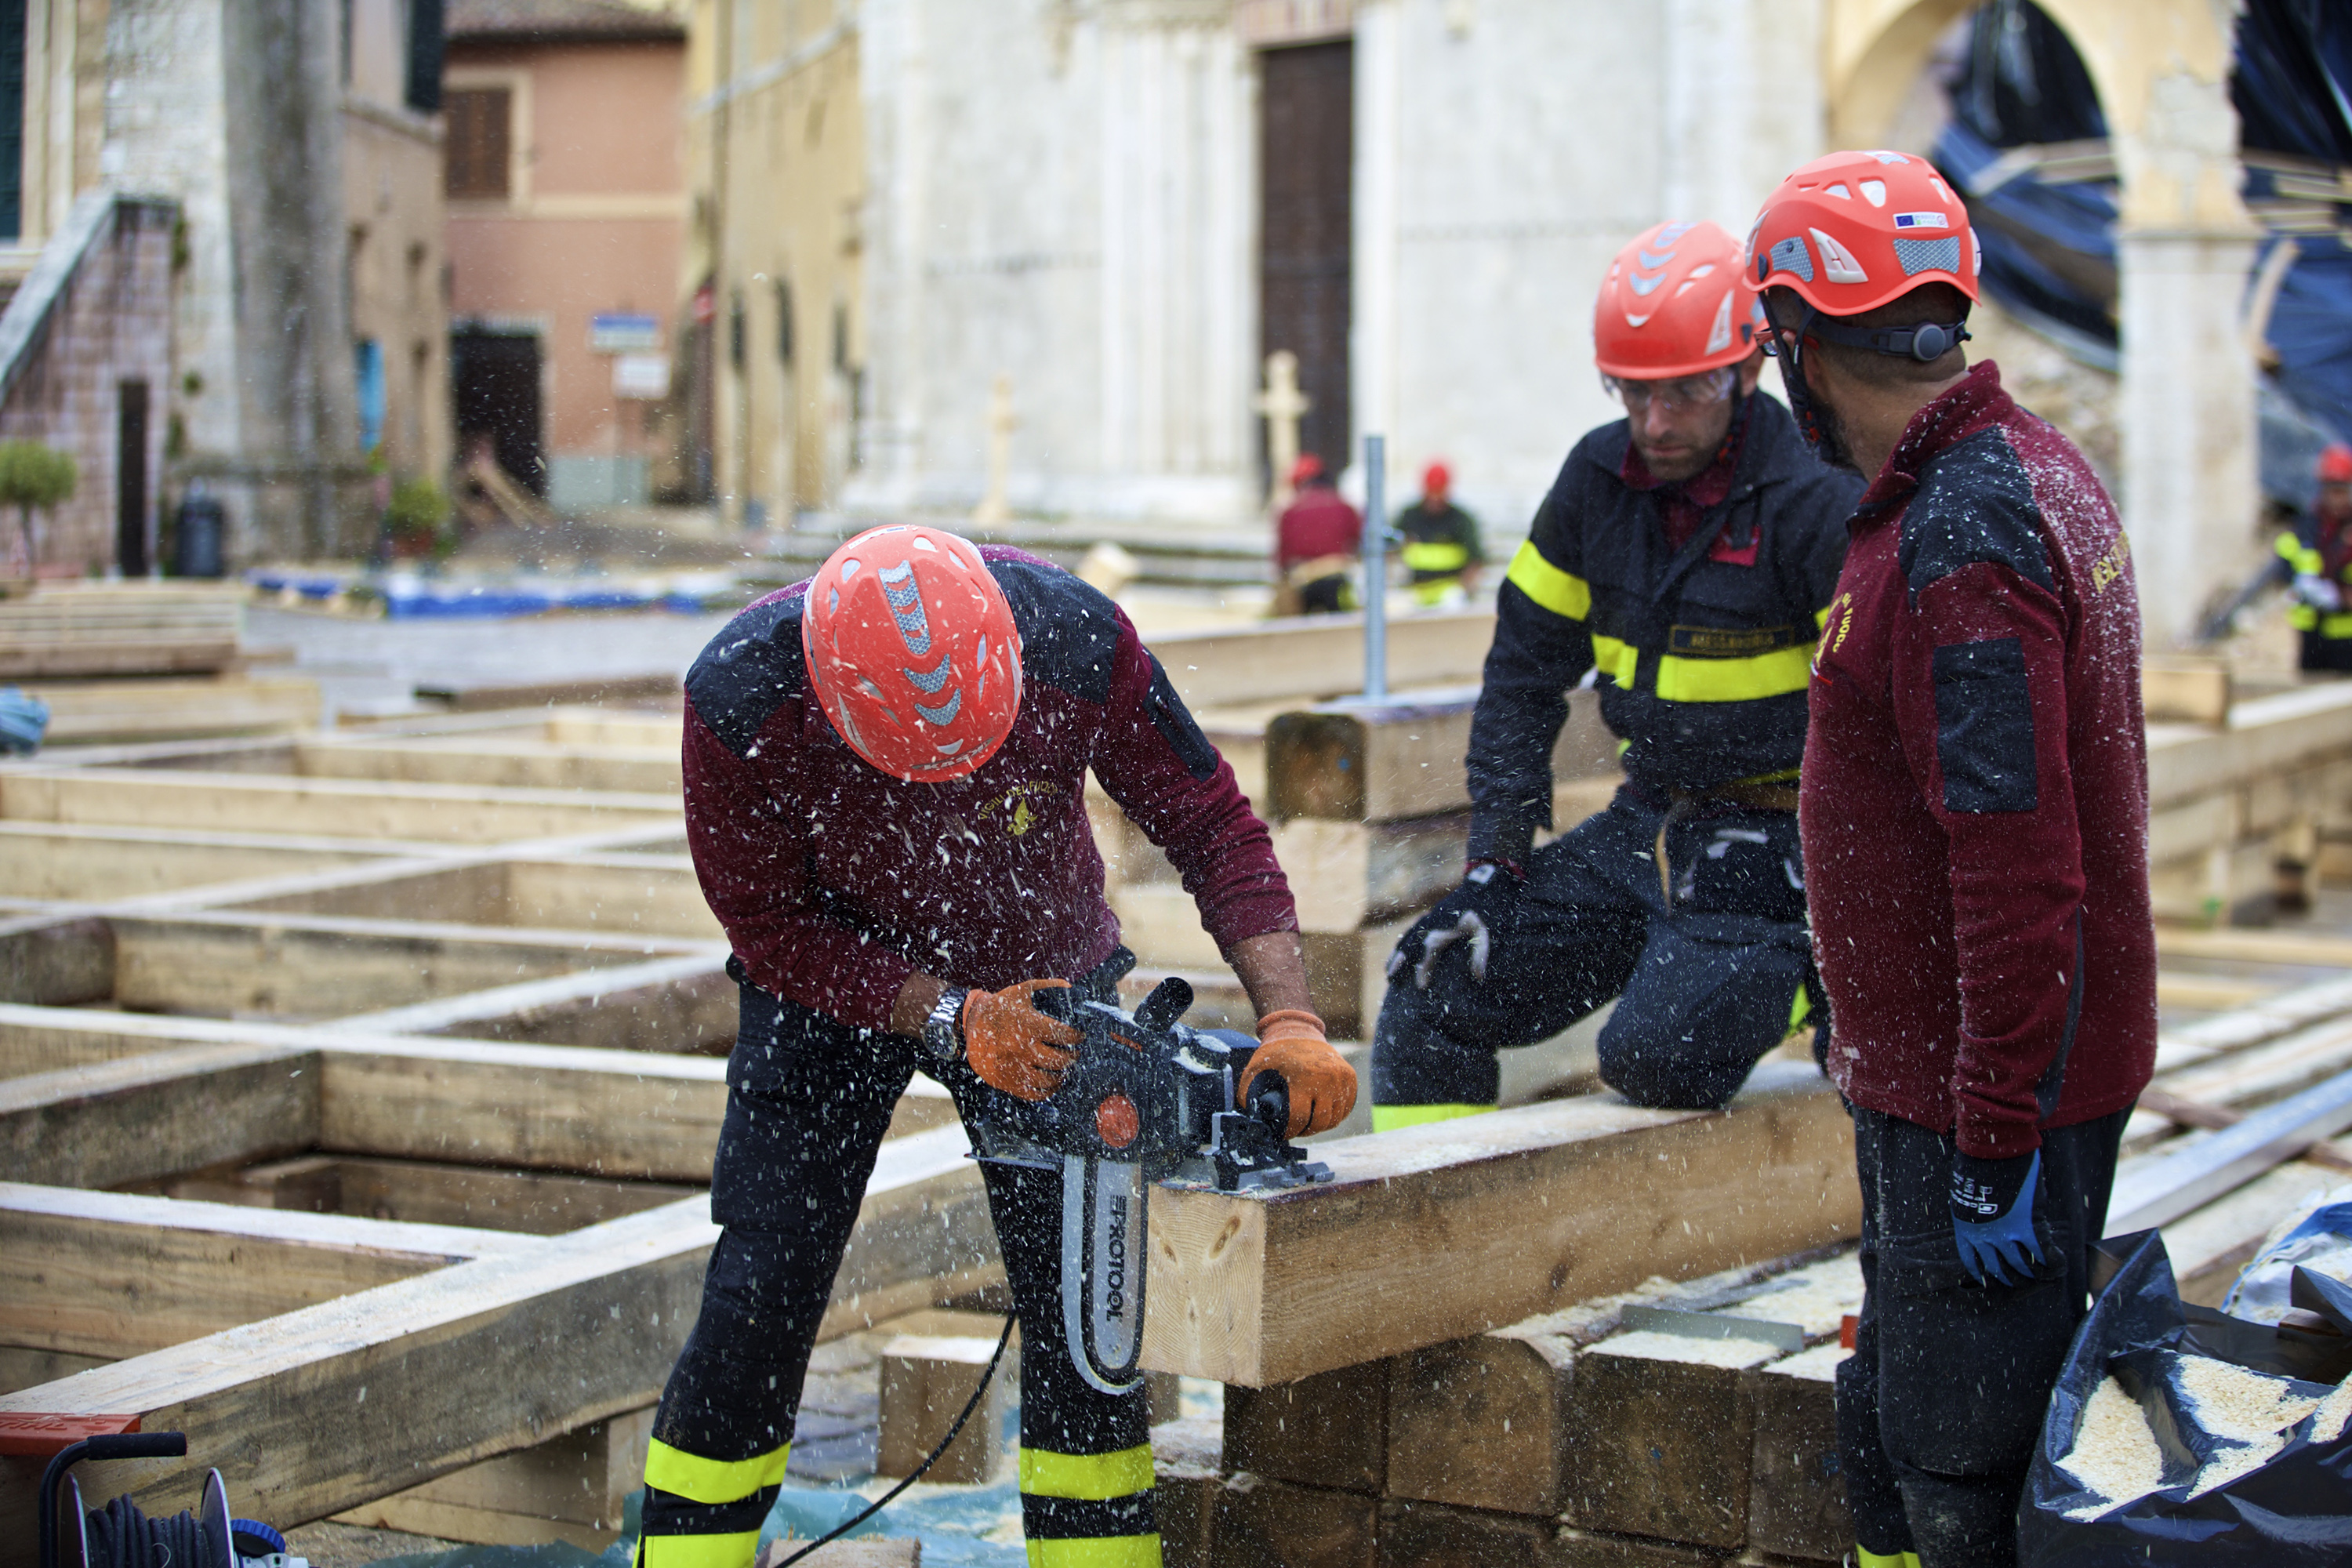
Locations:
{"points": [[2327, 1421], [2249, 1411], [2115, 1455], [1651, 1345]]}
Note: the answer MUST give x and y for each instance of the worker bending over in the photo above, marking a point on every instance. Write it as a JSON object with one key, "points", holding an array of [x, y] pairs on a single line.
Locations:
{"points": [[884, 797], [2318, 551], [1682, 560], [1440, 542], [1975, 806]]}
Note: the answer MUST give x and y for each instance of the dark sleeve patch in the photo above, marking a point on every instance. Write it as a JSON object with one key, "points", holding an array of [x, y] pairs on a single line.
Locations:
{"points": [[753, 667], [1984, 727], [1069, 630], [1177, 726], [1974, 503]]}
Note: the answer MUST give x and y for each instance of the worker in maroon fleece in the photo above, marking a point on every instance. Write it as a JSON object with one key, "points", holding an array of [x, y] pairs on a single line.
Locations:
{"points": [[1974, 806], [884, 796]]}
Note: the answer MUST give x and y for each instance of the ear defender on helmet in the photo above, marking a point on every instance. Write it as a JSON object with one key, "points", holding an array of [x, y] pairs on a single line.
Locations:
{"points": [[913, 652]]}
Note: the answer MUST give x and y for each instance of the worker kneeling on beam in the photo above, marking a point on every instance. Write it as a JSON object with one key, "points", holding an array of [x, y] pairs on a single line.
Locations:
{"points": [[1682, 560], [885, 774], [1975, 809]]}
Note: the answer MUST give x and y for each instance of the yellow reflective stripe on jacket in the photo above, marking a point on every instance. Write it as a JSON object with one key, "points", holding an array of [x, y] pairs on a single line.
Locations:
{"points": [[2301, 556], [1869, 1559], [1773, 674], [1561, 593], [2302, 617], [1434, 555], [1620, 661], [1801, 1009], [1096, 1552], [698, 1479], [1389, 1117], [1095, 1478], [734, 1551]]}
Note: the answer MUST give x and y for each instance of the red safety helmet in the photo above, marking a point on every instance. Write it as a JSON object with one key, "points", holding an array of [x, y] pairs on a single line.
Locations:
{"points": [[1850, 231], [1306, 470], [913, 652], [2335, 463], [1677, 301], [1436, 478]]}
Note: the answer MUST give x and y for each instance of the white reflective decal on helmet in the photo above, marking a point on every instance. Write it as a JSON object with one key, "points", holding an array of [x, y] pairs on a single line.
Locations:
{"points": [[1701, 271], [1643, 283], [1634, 320], [923, 543], [1838, 264], [1839, 191], [1674, 231], [1647, 260], [1976, 255], [1718, 337], [1875, 192], [1890, 157]]}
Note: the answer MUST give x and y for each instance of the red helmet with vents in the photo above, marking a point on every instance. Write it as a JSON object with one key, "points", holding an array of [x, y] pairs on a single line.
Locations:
{"points": [[912, 651], [1677, 301], [1850, 231]]}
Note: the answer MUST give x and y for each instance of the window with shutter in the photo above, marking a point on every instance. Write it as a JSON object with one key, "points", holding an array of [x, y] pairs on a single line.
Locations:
{"points": [[477, 142]]}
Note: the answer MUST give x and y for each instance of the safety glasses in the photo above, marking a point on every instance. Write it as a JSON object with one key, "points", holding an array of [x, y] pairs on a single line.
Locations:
{"points": [[1674, 396]]}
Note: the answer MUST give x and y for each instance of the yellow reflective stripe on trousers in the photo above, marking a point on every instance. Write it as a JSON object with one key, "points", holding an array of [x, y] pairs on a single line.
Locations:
{"points": [[1096, 1552], [1095, 1478], [1561, 593], [1389, 1117], [2300, 556], [2332, 627], [1801, 1009], [1869, 1559], [2303, 619], [1435, 556], [698, 1479], [699, 1551], [1620, 661], [1773, 674]]}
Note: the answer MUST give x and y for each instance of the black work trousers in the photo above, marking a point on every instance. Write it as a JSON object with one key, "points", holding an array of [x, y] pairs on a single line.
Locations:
{"points": [[1709, 957], [808, 1102], [1940, 1405]]}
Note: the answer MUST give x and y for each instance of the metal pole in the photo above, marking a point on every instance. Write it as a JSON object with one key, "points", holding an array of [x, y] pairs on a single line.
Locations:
{"points": [[1376, 568]]}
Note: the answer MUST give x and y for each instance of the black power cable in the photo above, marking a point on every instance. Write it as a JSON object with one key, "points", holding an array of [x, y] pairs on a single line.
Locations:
{"points": [[888, 1498], [120, 1536]]}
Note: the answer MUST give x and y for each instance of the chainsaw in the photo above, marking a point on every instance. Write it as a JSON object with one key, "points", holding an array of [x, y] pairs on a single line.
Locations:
{"points": [[1146, 1099]]}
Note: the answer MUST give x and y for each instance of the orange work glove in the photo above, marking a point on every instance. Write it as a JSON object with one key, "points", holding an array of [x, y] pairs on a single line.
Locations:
{"points": [[1322, 1085], [1013, 1046]]}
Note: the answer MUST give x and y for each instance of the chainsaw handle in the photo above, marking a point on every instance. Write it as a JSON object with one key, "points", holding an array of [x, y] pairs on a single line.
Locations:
{"points": [[1269, 1102]]}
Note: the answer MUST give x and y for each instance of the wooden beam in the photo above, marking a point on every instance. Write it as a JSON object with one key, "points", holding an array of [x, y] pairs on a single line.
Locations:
{"points": [[686, 1004], [56, 962], [570, 1489], [2213, 1118], [45, 860], [477, 697], [498, 762], [455, 1364], [2253, 1076], [350, 807], [2264, 736], [150, 1116], [2313, 948], [1320, 656], [2160, 1188], [1796, 1492], [636, 894], [420, 1192], [88, 712], [116, 1275], [320, 965], [1346, 874], [1435, 1233], [1355, 763], [2178, 689]]}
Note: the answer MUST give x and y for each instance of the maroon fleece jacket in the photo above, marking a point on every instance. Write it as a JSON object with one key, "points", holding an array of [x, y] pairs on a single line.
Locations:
{"points": [[1975, 794], [835, 881]]}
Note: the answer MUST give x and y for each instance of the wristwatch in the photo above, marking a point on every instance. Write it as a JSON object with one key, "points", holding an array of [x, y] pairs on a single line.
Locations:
{"points": [[942, 1037]]}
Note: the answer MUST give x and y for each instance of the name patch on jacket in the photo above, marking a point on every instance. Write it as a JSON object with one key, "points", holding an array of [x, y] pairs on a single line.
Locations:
{"points": [[1732, 642]]}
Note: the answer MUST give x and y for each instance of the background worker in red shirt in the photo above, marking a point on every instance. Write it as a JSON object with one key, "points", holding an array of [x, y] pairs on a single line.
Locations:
{"points": [[1975, 814], [2318, 551], [1316, 543], [884, 796]]}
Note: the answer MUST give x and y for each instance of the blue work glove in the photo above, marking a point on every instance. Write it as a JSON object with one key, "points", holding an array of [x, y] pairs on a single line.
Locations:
{"points": [[1472, 917], [1992, 1214]]}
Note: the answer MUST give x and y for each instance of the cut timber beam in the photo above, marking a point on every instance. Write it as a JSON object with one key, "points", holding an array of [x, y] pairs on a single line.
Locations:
{"points": [[151, 1116], [56, 963], [420, 1192], [454, 1363], [90, 713], [1344, 875], [498, 762], [664, 1005], [236, 803], [45, 860], [1352, 762], [634, 894], [1320, 656], [2157, 1189], [1436, 1233], [116, 1275]]}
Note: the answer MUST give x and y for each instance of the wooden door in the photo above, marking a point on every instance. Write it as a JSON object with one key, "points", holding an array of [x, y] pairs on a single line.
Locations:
{"points": [[1306, 158]]}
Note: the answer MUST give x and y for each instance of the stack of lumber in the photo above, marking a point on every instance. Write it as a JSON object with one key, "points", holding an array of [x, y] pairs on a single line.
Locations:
{"points": [[2256, 805], [124, 711], [121, 628]]}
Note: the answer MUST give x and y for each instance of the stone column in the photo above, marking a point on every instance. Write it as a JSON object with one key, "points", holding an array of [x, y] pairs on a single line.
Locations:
{"points": [[892, 84]]}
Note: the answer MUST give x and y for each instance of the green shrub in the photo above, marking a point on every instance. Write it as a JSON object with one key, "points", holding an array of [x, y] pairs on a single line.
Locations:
{"points": [[417, 506], [33, 475]]}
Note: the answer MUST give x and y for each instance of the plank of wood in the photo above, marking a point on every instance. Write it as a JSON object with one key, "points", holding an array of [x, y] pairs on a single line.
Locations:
{"points": [[157, 1115], [1404, 759], [2249, 1078], [323, 965], [2264, 735], [422, 1192], [1319, 656], [111, 712], [640, 895], [1186, 1472], [1665, 1430], [42, 860], [1262, 1523], [686, 1004], [1328, 1430], [2177, 689], [2157, 1189], [345, 807], [1345, 875], [2206, 992], [570, 1488], [2196, 1114], [58, 962], [504, 763], [1435, 1233], [452, 1363], [115, 1275], [927, 1381], [1415, 1534], [1483, 1422], [2254, 946], [2209, 1246], [477, 697], [1796, 1488]]}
